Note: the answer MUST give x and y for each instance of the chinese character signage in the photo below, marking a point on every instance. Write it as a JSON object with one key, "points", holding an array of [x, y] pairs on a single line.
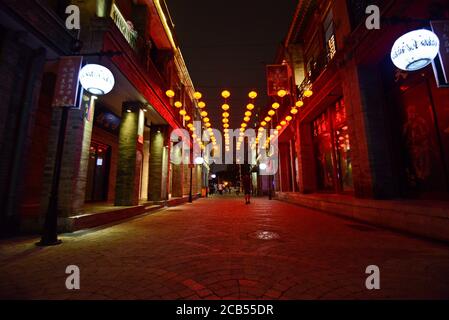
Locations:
{"points": [[277, 79], [66, 91], [107, 120], [441, 29]]}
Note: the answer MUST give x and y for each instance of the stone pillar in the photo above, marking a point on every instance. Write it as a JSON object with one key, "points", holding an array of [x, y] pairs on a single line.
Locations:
{"points": [[306, 159], [186, 179], [145, 168], [72, 187], [284, 167], [199, 178], [368, 131], [158, 163], [130, 155], [177, 173], [104, 8]]}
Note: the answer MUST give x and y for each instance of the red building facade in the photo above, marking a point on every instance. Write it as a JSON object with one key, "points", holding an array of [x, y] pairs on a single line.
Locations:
{"points": [[370, 130], [117, 146]]}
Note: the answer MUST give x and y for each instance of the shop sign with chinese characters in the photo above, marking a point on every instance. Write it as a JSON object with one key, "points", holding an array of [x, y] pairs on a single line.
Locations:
{"points": [[66, 91]]}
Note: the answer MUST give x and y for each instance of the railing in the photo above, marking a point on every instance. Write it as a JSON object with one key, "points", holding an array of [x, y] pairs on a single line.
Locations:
{"points": [[125, 28]]}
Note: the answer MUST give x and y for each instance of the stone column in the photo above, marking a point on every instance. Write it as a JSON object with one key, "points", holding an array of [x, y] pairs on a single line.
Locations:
{"points": [[75, 160], [367, 121], [130, 155], [284, 167], [157, 167], [146, 164], [104, 8], [306, 159], [177, 173]]}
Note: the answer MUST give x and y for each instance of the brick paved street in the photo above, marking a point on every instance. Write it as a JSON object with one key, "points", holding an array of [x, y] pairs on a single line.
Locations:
{"points": [[210, 250]]}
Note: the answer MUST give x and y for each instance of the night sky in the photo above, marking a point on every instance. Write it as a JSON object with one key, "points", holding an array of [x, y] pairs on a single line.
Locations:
{"points": [[226, 44]]}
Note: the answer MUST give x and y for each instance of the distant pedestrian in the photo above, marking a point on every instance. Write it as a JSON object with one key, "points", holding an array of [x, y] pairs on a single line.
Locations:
{"points": [[220, 188], [247, 186]]}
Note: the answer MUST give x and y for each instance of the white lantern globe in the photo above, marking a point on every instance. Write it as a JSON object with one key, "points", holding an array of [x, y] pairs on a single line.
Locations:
{"points": [[415, 50], [199, 160], [96, 79]]}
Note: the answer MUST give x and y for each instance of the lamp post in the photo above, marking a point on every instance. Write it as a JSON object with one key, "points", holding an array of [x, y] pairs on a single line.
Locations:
{"points": [[97, 80]]}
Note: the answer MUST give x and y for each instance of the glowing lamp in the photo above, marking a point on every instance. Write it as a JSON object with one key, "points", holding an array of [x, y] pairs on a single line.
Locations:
{"points": [[206, 120], [282, 93], [226, 125], [225, 114], [278, 127], [178, 104], [199, 160], [201, 105], [275, 106], [415, 50], [197, 95], [225, 107], [263, 123], [204, 114], [308, 93], [96, 79], [182, 112], [170, 93], [250, 106], [283, 123], [225, 120], [267, 119], [288, 118], [248, 113], [252, 95], [299, 103], [187, 118], [294, 111], [225, 94], [271, 112], [246, 119]]}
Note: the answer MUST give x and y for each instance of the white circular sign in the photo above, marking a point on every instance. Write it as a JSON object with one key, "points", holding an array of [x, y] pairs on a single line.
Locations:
{"points": [[199, 160], [415, 50], [96, 79]]}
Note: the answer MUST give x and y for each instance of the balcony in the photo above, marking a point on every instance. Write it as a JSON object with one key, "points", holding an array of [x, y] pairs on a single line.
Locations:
{"points": [[316, 68], [124, 26]]}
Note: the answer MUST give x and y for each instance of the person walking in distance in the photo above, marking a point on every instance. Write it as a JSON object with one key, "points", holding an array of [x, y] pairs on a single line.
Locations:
{"points": [[246, 182]]}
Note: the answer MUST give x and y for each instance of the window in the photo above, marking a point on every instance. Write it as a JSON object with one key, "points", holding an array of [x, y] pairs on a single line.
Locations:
{"points": [[329, 35], [333, 150]]}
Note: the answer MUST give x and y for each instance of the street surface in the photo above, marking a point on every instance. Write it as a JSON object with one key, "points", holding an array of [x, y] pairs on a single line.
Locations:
{"points": [[220, 248]]}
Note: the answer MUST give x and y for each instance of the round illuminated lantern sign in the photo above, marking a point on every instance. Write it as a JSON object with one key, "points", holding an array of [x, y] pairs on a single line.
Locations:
{"points": [[415, 50], [96, 79]]}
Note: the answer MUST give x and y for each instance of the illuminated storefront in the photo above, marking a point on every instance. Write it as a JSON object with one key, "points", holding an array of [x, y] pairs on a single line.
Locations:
{"points": [[332, 150]]}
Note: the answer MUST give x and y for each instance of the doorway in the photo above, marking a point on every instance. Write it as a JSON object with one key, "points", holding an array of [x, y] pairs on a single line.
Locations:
{"points": [[98, 172]]}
